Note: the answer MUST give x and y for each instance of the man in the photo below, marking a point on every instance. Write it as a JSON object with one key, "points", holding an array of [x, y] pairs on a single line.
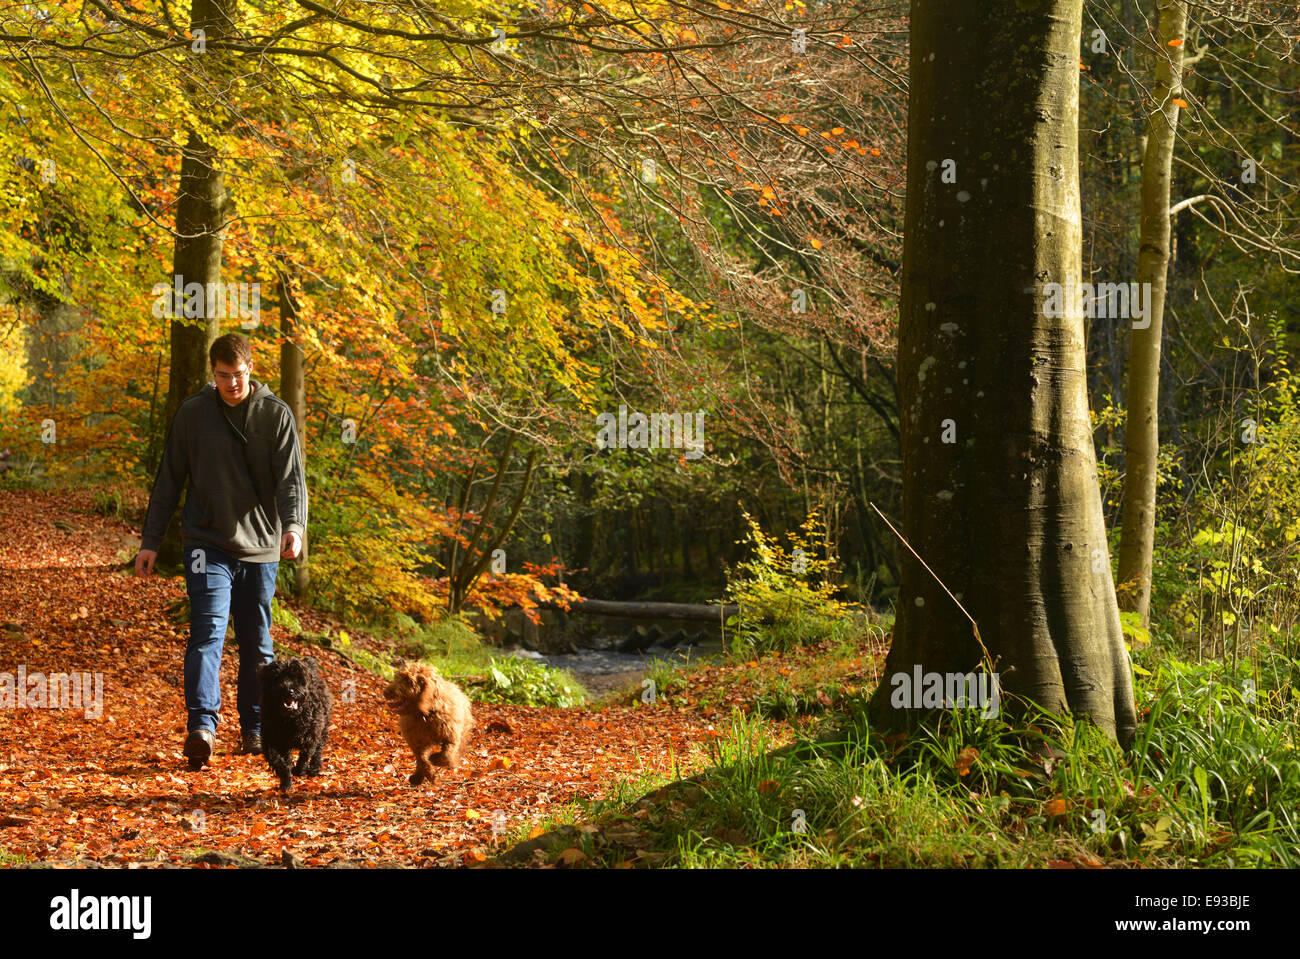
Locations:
{"points": [[236, 443]]}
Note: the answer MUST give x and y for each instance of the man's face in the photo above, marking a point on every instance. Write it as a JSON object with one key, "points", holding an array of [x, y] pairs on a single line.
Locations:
{"points": [[232, 382]]}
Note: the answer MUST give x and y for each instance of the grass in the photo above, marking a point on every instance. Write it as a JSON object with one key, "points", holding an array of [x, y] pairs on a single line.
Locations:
{"points": [[1213, 780], [8, 859]]}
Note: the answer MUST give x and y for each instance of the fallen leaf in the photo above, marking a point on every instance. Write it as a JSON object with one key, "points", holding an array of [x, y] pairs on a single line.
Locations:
{"points": [[964, 760], [571, 857]]}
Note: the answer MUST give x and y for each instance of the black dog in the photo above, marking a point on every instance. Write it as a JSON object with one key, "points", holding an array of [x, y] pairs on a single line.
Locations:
{"points": [[296, 710]]}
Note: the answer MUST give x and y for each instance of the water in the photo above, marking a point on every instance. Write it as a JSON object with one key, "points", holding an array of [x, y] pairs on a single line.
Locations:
{"points": [[601, 667]]}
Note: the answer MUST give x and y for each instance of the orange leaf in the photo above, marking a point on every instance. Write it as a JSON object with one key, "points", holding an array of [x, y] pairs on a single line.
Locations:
{"points": [[571, 857], [964, 760], [1054, 807], [1180, 103], [535, 832], [1176, 42], [768, 786]]}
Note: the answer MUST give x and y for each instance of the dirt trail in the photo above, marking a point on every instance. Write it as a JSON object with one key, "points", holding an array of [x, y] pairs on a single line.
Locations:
{"points": [[109, 785]]}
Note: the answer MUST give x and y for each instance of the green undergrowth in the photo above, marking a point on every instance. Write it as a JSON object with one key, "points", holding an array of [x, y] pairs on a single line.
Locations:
{"points": [[8, 859], [1212, 780], [456, 651], [528, 683]]}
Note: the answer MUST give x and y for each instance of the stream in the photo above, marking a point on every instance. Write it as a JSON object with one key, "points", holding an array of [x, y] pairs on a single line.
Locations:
{"points": [[595, 659]]}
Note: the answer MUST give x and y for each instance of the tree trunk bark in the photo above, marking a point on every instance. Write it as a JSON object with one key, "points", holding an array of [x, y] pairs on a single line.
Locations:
{"points": [[196, 256], [52, 343], [1000, 491], [293, 390], [1141, 431]]}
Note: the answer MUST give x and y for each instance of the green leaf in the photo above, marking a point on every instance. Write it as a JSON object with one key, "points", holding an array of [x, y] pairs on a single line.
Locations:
{"points": [[1131, 624]]}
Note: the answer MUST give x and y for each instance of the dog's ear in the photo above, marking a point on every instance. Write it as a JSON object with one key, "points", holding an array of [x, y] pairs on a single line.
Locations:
{"points": [[421, 681]]}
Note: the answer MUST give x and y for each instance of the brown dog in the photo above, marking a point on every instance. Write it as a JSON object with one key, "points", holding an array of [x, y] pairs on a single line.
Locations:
{"points": [[432, 712]]}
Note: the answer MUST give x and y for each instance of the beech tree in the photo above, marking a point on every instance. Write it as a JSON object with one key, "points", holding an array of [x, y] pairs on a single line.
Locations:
{"points": [[1247, 208], [202, 206], [1142, 443], [1000, 493]]}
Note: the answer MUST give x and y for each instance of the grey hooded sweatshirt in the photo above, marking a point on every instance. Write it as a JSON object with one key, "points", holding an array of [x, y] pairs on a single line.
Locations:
{"points": [[246, 486]]}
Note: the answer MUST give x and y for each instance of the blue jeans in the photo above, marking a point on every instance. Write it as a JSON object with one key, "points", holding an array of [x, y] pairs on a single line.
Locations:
{"points": [[228, 589]]}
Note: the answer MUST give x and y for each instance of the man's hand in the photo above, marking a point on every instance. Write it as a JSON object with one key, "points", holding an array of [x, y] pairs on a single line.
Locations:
{"points": [[290, 545], [144, 561]]}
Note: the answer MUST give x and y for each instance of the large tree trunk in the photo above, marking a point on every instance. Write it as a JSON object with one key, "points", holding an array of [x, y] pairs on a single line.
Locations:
{"points": [[1000, 492], [53, 343], [293, 390], [1141, 433], [196, 256]]}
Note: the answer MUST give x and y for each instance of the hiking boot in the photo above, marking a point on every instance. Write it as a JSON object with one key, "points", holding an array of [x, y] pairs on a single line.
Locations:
{"points": [[252, 744], [198, 747]]}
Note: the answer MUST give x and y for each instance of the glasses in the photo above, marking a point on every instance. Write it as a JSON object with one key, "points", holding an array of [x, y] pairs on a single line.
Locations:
{"points": [[232, 377]]}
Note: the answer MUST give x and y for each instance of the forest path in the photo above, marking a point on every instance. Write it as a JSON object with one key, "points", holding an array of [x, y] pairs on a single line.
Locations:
{"points": [[104, 783]]}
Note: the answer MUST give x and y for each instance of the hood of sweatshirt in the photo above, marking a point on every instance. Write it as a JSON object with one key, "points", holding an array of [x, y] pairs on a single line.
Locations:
{"points": [[257, 392], [245, 483]]}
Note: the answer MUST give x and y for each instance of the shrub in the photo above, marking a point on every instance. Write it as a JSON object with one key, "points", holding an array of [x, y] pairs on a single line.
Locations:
{"points": [[282, 615], [109, 502], [527, 683], [780, 604]]}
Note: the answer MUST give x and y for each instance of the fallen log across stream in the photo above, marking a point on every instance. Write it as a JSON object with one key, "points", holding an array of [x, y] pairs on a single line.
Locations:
{"points": [[696, 612]]}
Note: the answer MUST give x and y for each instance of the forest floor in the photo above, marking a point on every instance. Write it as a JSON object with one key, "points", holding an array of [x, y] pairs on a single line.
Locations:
{"points": [[108, 786], [733, 762]]}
